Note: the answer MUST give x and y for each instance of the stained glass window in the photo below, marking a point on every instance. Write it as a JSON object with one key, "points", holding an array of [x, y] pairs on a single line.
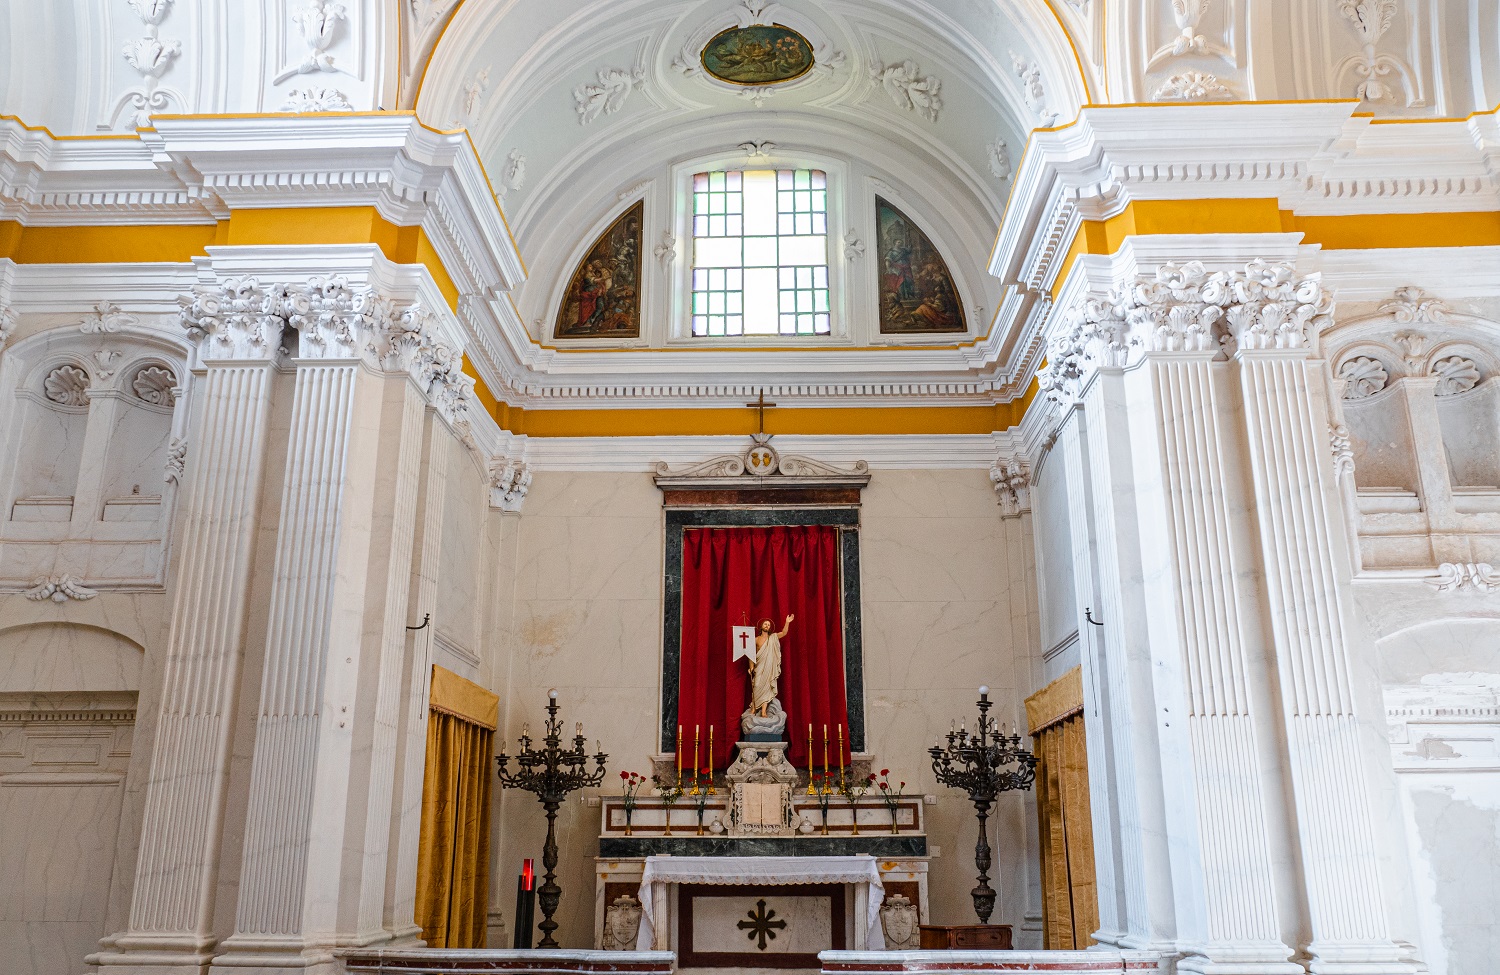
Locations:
{"points": [[760, 253]]}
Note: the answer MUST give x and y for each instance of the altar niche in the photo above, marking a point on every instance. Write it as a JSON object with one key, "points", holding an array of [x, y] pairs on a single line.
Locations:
{"points": [[840, 530]]}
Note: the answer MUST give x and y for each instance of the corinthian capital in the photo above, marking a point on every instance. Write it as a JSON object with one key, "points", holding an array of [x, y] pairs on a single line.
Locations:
{"points": [[1274, 308], [333, 319], [1012, 483], [235, 319], [7, 324], [1095, 333], [1176, 310]]}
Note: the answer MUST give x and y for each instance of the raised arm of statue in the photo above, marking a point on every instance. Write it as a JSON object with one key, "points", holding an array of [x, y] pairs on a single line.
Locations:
{"points": [[786, 626]]}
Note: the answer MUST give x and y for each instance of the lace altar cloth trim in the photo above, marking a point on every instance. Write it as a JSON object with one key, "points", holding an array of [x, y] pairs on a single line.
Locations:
{"points": [[760, 870]]}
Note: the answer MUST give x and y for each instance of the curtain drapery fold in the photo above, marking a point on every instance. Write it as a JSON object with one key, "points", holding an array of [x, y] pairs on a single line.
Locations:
{"points": [[453, 854], [1070, 900], [739, 576]]}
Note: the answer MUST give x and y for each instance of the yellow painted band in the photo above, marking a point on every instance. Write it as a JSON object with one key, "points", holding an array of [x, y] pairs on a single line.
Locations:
{"points": [[739, 421]]}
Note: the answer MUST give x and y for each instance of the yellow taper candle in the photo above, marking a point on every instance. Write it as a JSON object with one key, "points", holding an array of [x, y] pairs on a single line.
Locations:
{"points": [[679, 756], [825, 751], [696, 766], [809, 759], [710, 759], [841, 753]]}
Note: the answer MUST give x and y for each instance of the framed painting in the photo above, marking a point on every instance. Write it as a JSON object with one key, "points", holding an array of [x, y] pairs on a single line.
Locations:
{"points": [[763, 54], [603, 299], [917, 293]]}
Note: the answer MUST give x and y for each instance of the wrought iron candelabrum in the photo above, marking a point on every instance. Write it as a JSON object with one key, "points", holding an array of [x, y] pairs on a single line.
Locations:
{"points": [[551, 771], [984, 765]]}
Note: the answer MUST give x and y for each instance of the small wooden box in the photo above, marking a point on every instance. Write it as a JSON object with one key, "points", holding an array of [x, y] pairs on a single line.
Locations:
{"points": [[969, 937]]}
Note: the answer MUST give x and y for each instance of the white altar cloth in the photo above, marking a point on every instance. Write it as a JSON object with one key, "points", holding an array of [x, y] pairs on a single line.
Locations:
{"points": [[663, 871]]}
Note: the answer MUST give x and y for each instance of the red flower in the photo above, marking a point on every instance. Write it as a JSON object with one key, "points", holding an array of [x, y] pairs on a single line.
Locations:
{"points": [[885, 785], [872, 776], [903, 785], [885, 771], [624, 775]]}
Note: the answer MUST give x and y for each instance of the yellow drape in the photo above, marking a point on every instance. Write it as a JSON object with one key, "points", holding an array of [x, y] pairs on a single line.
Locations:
{"points": [[1070, 900], [453, 856]]}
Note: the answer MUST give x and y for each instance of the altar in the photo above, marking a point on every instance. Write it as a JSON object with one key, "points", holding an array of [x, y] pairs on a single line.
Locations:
{"points": [[759, 911]]}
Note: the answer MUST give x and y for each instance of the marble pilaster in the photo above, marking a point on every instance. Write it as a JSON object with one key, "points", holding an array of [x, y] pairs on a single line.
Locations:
{"points": [[1290, 462], [171, 912]]}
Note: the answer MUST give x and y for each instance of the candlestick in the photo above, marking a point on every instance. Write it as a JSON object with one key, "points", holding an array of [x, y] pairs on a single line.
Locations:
{"points": [[710, 759], [679, 756], [841, 753], [809, 759], [825, 753], [696, 766]]}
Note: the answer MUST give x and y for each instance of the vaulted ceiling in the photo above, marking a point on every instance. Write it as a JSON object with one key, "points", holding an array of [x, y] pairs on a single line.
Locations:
{"points": [[578, 109]]}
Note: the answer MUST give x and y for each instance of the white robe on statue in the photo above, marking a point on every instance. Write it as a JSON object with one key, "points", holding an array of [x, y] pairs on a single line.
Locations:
{"points": [[767, 672]]}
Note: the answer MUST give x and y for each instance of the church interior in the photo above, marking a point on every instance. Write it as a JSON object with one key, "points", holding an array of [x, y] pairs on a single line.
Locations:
{"points": [[842, 486]]}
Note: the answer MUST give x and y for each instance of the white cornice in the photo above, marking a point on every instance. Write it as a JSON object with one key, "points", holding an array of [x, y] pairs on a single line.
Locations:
{"points": [[1315, 158]]}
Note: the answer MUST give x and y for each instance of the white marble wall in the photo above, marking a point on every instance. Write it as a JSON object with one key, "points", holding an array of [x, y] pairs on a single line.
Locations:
{"points": [[939, 618]]}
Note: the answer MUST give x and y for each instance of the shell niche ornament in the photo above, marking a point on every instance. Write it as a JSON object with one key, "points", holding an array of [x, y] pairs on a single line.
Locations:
{"points": [[761, 459]]}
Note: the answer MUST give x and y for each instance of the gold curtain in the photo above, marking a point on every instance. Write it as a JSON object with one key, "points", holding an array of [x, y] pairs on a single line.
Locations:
{"points": [[1070, 900], [453, 857]]}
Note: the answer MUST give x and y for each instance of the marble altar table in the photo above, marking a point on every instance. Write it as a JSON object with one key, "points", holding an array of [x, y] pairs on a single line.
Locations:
{"points": [[831, 878], [1095, 961], [462, 961]]}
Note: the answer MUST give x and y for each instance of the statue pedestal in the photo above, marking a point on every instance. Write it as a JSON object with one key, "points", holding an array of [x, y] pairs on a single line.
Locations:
{"points": [[761, 783]]}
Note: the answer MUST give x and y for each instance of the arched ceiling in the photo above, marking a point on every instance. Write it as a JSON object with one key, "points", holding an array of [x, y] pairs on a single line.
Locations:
{"points": [[579, 109]]}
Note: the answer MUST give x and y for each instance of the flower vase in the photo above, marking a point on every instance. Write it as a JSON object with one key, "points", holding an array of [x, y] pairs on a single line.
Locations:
{"points": [[628, 811], [854, 815], [700, 820], [825, 820], [668, 811]]}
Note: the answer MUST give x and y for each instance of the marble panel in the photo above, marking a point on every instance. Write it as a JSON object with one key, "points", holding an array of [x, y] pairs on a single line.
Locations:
{"points": [[805, 924], [924, 559], [614, 640], [589, 557], [64, 657], [929, 494]]}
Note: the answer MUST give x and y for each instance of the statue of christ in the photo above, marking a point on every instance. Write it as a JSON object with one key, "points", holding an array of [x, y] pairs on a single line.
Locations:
{"points": [[765, 669]]}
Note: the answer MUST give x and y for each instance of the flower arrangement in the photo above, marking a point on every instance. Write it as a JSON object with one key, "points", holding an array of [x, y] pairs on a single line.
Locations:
{"points": [[630, 785], [854, 790], [700, 794], [822, 784], [891, 796], [669, 795]]}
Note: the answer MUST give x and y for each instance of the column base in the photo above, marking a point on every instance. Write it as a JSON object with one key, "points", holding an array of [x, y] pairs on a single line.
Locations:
{"points": [[153, 954], [274, 955], [1362, 958], [1238, 958]]}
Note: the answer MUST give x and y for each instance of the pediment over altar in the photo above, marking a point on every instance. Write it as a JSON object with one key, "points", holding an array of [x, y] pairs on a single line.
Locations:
{"points": [[765, 471]]}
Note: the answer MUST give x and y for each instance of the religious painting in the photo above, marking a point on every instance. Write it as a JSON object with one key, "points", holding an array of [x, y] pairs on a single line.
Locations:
{"points": [[604, 298], [764, 54], [917, 293]]}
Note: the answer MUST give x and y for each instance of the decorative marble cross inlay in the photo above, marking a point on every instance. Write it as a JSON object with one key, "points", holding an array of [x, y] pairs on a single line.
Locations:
{"points": [[761, 925]]}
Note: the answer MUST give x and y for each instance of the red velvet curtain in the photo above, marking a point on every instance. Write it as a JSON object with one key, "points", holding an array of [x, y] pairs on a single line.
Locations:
{"points": [[739, 576]]}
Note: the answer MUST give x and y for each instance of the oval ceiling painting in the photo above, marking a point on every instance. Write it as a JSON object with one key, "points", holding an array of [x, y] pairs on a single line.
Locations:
{"points": [[759, 55]]}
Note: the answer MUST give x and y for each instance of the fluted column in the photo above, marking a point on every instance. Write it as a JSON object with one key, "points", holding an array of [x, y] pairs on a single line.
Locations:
{"points": [[406, 826], [325, 736], [1114, 827], [237, 328], [1289, 460], [1203, 644]]}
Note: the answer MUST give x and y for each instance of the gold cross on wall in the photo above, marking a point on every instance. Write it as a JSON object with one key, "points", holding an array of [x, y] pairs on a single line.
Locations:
{"points": [[760, 406]]}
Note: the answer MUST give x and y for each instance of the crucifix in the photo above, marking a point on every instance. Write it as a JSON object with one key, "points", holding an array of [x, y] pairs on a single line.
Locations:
{"points": [[760, 406]]}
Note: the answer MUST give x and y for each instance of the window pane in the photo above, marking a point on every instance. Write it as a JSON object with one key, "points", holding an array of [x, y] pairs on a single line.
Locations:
{"points": [[716, 252], [760, 251], [804, 251], [760, 254]]}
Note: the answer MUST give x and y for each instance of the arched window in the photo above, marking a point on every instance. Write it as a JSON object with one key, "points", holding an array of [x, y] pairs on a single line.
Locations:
{"points": [[760, 253]]}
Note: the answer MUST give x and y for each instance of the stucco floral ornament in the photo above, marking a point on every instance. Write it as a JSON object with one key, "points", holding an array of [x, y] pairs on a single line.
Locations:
{"points": [[59, 589], [1275, 309]]}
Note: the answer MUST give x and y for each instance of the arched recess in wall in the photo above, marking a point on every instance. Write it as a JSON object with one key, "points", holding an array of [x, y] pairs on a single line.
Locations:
{"points": [[1419, 392], [65, 658]]}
